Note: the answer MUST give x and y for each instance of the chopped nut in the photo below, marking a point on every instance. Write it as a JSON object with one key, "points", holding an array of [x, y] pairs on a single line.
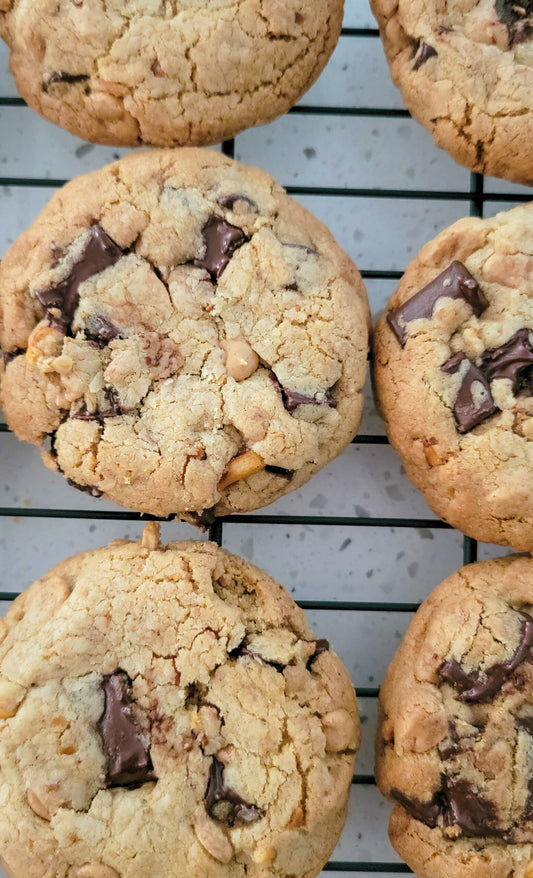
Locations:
{"points": [[240, 467], [241, 359], [44, 342], [430, 451], [339, 729], [37, 806], [11, 694], [529, 871], [92, 870], [211, 836], [151, 536]]}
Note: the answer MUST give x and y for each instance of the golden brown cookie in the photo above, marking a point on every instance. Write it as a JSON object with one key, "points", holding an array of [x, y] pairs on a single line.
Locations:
{"points": [[166, 72], [453, 372], [166, 711], [454, 748], [465, 70], [185, 337]]}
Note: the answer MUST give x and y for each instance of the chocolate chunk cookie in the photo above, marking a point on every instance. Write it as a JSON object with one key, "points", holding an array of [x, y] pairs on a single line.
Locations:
{"points": [[454, 375], [166, 72], [166, 711], [181, 336], [465, 71], [455, 738]]}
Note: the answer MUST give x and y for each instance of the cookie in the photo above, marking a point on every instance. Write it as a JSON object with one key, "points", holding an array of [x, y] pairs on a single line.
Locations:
{"points": [[466, 72], [166, 711], [453, 373], [178, 72], [454, 748], [181, 336]]}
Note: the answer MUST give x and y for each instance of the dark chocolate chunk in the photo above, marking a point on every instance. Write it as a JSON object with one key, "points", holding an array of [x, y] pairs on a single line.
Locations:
{"points": [[475, 815], [426, 812], [100, 253], [525, 723], [279, 471], [100, 329], [292, 399], [511, 360], [63, 76], [308, 250], [515, 15], [114, 409], [87, 489], [128, 761], [422, 54], [469, 411], [224, 804], [478, 689], [242, 650], [203, 519], [221, 241], [455, 282], [321, 645], [230, 201]]}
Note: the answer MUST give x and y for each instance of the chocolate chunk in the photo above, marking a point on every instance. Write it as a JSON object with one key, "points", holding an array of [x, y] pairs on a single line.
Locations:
{"points": [[230, 201], [62, 76], [87, 489], [511, 360], [203, 519], [470, 408], [308, 250], [224, 804], [455, 282], [515, 15], [292, 399], [426, 812], [100, 329], [423, 53], [475, 815], [113, 411], [321, 645], [242, 650], [525, 723], [100, 253], [221, 241], [279, 471], [474, 688], [128, 761], [8, 356]]}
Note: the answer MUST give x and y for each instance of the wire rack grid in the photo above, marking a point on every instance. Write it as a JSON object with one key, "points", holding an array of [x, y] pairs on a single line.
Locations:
{"points": [[357, 547]]}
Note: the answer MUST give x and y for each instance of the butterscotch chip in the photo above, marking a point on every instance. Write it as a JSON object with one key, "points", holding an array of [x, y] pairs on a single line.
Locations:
{"points": [[168, 74], [156, 707], [178, 310], [465, 71], [454, 746], [453, 374]]}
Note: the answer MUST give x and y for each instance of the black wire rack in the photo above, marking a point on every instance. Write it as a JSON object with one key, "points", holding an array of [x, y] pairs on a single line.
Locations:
{"points": [[474, 198]]}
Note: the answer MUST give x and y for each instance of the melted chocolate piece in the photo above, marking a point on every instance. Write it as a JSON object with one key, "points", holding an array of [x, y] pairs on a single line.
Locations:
{"points": [[511, 360], [321, 645], [292, 399], [423, 53], [128, 761], [525, 723], [230, 201], [9, 356], [279, 471], [203, 519], [101, 330], [221, 241], [475, 689], [100, 253], [426, 812], [242, 649], [475, 815], [514, 14], [62, 76], [469, 411], [87, 489], [115, 409], [455, 282], [224, 804], [308, 250]]}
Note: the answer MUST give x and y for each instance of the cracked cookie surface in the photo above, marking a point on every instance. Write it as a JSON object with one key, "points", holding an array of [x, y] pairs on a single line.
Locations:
{"points": [[454, 749], [453, 375], [166, 72], [465, 70], [186, 338], [166, 711]]}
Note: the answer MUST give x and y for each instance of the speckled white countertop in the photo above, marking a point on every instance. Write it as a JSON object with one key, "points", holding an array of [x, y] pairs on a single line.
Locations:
{"points": [[371, 573]]}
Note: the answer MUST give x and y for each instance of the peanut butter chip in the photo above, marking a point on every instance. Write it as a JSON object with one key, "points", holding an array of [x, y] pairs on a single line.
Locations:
{"points": [[241, 359], [37, 806], [11, 694], [240, 467]]}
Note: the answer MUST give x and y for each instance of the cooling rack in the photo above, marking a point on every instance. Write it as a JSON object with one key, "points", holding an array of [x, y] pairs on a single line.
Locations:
{"points": [[357, 547]]}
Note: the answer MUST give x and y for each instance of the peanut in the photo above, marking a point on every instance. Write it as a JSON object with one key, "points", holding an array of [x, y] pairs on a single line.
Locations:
{"points": [[44, 342], [37, 806], [212, 837], [150, 538], [241, 359], [11, 694], [240, 467]]}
